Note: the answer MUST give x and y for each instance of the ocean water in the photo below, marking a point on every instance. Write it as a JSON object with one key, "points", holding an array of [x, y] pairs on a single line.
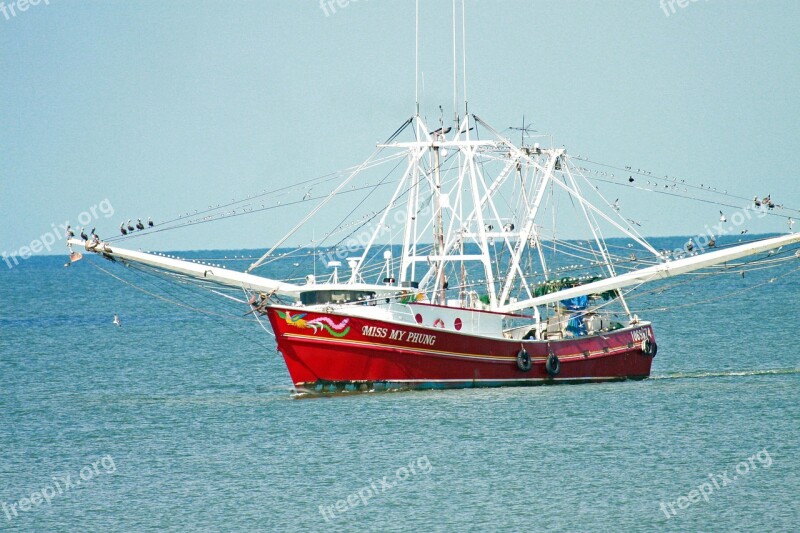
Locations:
{"points": [[182, 420]]}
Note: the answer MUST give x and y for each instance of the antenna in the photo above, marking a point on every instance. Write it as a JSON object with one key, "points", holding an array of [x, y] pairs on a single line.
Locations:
{"points": [[455, 70], [464, 53], [524, 131], [416, 58]]}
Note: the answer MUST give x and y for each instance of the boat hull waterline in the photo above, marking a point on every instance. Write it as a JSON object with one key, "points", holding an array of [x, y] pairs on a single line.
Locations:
{"points": [[332, 352]]}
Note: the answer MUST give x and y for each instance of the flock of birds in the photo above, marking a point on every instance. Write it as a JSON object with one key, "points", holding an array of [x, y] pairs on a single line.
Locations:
{"points": [[757, 203], [766, 202], [94, 235], [124, 229]]}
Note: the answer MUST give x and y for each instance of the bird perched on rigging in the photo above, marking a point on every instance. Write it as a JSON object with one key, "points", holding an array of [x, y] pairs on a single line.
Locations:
{"points": [[689, 245], [130, 228], [150, 222], [122, 229], [756, 201], [83, 235], [790, 223], [722, 217], [70, 233], [139, 224]]}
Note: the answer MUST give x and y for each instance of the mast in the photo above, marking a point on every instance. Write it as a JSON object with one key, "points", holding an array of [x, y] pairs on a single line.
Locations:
{"points": [[598, 238], [438, 236]]}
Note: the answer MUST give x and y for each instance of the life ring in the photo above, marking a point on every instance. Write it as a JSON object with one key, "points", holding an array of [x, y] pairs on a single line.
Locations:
{"points": [[649, 348], [523, 360], [552, 365]]}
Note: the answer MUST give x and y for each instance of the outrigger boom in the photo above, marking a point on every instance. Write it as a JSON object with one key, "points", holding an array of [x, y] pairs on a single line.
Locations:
{"points": [[661, 271], [255, 283], [221, 276]]}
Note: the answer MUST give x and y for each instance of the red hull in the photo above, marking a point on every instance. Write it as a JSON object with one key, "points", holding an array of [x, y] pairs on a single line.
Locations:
{"points": [[367, 354]]}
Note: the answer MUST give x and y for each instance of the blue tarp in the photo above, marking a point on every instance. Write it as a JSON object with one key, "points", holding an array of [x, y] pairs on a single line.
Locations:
{"points": [[579, 303], [575, 323]]}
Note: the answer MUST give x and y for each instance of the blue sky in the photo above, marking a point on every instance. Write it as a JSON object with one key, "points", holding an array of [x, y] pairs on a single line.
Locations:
{"points": [[165, 107]]}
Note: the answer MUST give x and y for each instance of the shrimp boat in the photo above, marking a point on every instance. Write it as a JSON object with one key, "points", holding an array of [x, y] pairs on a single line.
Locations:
{"points": [[459, 270], [481, 294]]}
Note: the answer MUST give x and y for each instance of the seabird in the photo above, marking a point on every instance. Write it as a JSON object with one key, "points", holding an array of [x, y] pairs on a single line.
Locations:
{"points": [[83, 235], [722, 217], [139, 224], [712, 242], [791, 224], [756, 201], [130, 228], [116, 320], [689, 245], [743, 232], [615, 205], [122, 229], [150, 222], [630, 179], [70, 233]]}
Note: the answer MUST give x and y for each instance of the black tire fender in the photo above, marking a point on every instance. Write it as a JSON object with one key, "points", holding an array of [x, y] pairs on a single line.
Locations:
{"points": [[552, 365], [523, 360], [649, 348]]}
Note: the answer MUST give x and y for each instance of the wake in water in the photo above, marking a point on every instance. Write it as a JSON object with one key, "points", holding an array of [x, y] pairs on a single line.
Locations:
{"points": [[729, 373]]}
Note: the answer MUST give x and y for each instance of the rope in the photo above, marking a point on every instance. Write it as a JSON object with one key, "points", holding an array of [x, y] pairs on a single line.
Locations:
{"points": [[162, 298]]}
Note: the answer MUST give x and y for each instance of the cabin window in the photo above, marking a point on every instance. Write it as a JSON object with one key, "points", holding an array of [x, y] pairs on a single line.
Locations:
{"points": [[337, 297]]}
